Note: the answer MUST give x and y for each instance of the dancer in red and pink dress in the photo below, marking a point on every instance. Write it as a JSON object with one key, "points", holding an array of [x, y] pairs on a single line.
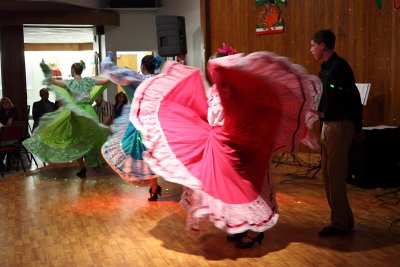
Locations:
{"points": [[268, 105]]}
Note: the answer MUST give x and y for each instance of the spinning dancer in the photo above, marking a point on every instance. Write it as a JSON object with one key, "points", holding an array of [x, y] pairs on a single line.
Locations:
{"points": [[72, 132], [268, 105], [123, 149]]}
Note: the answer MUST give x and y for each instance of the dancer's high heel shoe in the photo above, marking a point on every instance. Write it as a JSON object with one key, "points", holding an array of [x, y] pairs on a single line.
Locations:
{"points": [[236, 237], [250, 244], [81, 173], [154, 196]]}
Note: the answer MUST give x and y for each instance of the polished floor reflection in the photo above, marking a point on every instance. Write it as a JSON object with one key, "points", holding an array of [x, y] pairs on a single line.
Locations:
{"points": [[49, 217]]}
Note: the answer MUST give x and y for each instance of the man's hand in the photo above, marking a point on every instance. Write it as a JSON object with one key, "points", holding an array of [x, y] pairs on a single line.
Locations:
{"points": [[107, 120]]}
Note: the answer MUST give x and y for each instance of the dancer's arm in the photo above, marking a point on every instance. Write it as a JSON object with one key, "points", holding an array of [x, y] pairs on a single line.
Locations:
{"points": [[101, 80], [60, 83], [49, 77]]}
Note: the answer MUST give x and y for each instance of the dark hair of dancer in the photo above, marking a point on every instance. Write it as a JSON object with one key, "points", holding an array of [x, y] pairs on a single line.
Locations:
{"points": [[78, 67], [151, 63]]}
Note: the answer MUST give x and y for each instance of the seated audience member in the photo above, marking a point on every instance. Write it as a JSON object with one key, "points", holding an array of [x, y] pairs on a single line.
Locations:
{"points": [[104, 110], [8, 112], [120, 100], [41, 107]]}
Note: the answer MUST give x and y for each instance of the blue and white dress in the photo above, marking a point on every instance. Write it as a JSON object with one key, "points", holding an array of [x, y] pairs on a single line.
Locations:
{"points": [[123, 149]]}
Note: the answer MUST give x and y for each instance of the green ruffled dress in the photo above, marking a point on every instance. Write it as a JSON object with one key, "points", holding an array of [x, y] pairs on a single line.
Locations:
{"points": [[73, 131]]}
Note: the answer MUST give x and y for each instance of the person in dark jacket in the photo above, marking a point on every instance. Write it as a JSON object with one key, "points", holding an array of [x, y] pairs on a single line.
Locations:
{"points": [[41, 107], [340, 111]]}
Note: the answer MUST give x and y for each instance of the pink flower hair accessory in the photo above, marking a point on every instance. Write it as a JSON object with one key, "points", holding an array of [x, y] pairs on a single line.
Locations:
{"points": [[227, 50]]}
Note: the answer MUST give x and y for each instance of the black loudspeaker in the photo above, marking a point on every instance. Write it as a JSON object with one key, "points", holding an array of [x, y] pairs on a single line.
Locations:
{"points": [[171, 35], [375, 162]]}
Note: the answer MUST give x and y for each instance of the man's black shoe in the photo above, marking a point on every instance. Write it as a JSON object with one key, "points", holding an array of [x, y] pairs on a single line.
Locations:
{"points": [[332, 231]]}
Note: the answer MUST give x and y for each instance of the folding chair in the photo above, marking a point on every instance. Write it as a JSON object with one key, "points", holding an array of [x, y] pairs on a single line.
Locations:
{"points": [[28, 110], [24, 125], [10, 144]]}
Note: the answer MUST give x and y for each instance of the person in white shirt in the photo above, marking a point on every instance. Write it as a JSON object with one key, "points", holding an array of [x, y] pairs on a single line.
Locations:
{"points": [[104, 110]]}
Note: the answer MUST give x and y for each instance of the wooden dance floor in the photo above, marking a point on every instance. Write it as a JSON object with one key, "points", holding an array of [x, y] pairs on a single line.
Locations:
{"points": [[49, 217]]}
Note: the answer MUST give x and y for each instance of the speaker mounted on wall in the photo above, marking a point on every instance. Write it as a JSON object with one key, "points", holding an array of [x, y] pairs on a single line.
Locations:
{"points": [[171, 35]]}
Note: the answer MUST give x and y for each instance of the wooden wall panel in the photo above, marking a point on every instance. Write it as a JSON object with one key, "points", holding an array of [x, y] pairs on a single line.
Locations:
{"points": [[13, 67], [58, 47], [368, 37]]}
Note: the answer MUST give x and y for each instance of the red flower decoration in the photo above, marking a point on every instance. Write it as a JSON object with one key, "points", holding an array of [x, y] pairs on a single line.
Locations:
{"points": [[227, 50]]}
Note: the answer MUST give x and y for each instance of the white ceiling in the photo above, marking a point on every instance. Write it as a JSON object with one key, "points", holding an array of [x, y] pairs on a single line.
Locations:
{"points": [[58, 35]]}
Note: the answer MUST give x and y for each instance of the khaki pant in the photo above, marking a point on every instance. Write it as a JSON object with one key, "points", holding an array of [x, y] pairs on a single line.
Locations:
{"points": [[336, 139]]}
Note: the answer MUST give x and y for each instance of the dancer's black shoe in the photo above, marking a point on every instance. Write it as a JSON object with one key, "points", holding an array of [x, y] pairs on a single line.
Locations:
{"points": [[258, 239], [236, 237], [81, 173], [154, 196]]}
